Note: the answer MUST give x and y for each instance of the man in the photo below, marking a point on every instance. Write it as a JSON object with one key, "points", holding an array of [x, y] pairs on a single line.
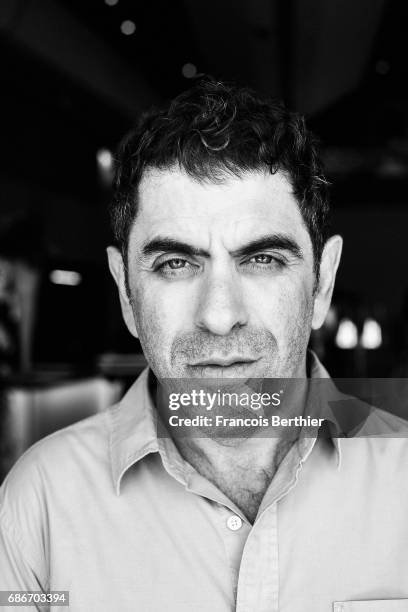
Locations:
{"points": [[224, 265]]}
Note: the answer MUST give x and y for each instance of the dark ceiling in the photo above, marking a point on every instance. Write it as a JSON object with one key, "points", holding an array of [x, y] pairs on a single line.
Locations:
{"points": [[162, 43], [73, 82]]}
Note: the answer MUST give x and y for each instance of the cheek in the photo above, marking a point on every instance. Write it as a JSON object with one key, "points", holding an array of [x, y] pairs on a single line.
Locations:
{"points": [[147, 314], [282, 307], [159, 313]]}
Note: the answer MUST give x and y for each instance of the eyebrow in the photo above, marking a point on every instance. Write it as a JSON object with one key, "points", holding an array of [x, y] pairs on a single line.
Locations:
{"points": [[276, 242], [280, 242], [160, 245]]}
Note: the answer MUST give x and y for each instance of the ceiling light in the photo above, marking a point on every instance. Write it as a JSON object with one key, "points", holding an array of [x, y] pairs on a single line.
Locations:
{"points": [[104, 158], [65, 277], [111, 2], [128, 27], [347, 335], [371, 338], [189, 71]]}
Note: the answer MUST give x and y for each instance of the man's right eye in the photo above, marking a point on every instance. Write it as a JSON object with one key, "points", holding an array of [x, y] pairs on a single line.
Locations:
{"points": [[176, 266]]}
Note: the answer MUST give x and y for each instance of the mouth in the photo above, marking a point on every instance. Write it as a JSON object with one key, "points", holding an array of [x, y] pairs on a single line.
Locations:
{"points": [[223, 362], [234, 366]]}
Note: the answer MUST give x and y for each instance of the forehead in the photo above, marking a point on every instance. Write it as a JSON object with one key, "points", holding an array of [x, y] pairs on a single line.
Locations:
{"points": [[173, 204]]}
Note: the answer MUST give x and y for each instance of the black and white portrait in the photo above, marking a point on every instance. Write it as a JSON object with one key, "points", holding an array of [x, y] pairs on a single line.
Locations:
{"points": [[204, 306]]}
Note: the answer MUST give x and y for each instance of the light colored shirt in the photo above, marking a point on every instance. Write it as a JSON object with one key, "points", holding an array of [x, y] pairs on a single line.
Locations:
{"points": [[111, 513]]}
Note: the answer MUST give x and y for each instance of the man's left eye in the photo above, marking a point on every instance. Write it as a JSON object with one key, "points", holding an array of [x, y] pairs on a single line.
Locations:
{"points": [[263, 262], [261, 259]]}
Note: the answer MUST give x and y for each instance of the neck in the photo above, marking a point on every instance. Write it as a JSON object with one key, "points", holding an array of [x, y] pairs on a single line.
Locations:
{"points": [[242, 470]]}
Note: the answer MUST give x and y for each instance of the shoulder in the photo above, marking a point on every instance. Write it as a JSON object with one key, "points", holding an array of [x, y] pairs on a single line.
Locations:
{"points": [[55, 462], [383, 424], [49, 474], [379, 449], [391, 423]]}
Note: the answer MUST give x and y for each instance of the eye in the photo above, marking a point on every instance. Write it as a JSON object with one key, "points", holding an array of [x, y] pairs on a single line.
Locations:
{"points": [[261, 259], [176, 267], [264, 262], [175, 264]]}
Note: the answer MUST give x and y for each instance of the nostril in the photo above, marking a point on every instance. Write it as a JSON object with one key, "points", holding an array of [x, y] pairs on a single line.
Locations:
{"points": [[220, 321]]}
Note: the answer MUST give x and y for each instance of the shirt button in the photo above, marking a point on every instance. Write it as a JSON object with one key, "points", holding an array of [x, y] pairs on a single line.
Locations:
{"points": [[234, 523]]}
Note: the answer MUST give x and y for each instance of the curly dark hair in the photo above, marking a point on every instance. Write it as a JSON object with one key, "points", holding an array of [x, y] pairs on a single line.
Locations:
{"points": [[215, 130]]}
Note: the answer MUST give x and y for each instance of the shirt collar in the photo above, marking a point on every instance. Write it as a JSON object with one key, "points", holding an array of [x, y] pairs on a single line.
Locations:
{"points": [[325, 390], [133, 425], [133, 430], [346, 416]]}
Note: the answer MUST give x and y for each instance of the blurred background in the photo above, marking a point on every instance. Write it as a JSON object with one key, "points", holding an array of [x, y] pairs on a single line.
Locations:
{"points": [[74, 77]]}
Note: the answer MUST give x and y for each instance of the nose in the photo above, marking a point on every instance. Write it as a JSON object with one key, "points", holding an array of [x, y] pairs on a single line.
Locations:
{"points": [[221, 306]]}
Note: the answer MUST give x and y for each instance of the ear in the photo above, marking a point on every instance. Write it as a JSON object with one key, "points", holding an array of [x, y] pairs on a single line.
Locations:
{"points": [[328, 267], [117, 268]]}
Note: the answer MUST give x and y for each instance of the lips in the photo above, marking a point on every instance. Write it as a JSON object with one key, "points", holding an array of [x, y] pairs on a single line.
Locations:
{"points": [[216, 368], [224, 362]]}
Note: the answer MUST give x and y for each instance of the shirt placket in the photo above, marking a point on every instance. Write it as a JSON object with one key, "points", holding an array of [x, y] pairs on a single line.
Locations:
{"points": [[258, 582]]}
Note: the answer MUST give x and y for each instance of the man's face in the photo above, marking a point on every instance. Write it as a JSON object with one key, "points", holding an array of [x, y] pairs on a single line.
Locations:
{"points": [[221, 277]]}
